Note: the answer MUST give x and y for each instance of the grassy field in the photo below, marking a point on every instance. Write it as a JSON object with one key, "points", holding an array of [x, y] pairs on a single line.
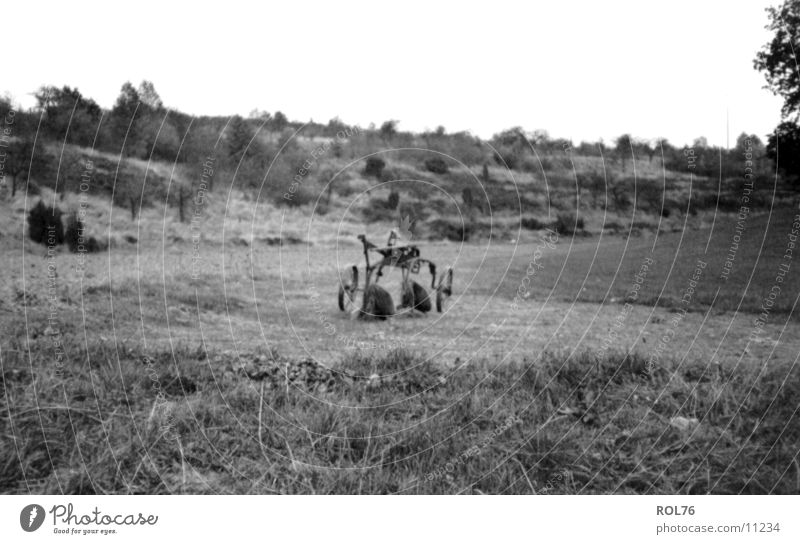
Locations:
{"points": [[129, 375], [600, 270], [112, 420], [211, 357]]}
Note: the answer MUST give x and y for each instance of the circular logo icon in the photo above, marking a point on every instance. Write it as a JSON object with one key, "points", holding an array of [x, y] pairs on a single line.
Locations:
{"points": [[31, 517]]}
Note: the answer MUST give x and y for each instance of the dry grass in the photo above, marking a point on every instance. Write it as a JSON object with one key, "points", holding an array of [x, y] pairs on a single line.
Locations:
{"points": [[113, 421], [150, 399]]}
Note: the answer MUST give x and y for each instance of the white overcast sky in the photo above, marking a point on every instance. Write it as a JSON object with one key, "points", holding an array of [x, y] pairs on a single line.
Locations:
{"points": [[583, 70]]}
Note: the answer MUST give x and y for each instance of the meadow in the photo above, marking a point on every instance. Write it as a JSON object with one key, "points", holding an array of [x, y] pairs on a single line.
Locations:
{"points": [[614, 327], [117, 421], [175, 366]]}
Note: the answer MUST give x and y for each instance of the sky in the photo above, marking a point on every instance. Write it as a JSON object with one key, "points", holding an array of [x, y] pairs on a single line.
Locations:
{"points": [[580, 70]]}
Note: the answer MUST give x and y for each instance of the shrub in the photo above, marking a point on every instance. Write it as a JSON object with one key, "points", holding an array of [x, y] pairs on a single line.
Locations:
{"points": [[353, 186], [531, 223], [643, 225], [568, 223], [546, 163], [413, 210], [74, 232], [620, 193], [75, 236], [375, 210], [455, 231], [436, 165], [300, 197], [33, 188], [44, 225], [393, 200], [374, 167], [466, 197], [507, 158], [595, 182]]}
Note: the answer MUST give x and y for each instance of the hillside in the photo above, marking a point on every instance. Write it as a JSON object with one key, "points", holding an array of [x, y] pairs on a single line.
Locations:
{"points": [[154, 200]]}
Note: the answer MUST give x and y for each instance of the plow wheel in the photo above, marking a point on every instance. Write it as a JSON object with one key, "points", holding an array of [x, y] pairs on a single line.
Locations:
{"points": [[415, 297], [348, 285], [444, 289]]}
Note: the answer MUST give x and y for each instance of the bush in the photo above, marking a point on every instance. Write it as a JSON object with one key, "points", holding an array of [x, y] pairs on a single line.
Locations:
{"points": [[436, 165], [357, 185], [507, 156], [74, 232], [44, 225], [466, 197], [33, 188], [620, 193], [376, 210], [568, 223], [413, 210], [301, 197], [374, 167], [643, 225], [75, 236], [531, 223], [393, 200], [455, 231], [650, 196]]}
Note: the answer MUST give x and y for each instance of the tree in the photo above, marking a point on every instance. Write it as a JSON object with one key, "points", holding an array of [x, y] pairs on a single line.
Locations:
{"points": [[540, 137], [783, 147], [260, 115], [777, 59], [623, 146], [388, 130], [279, 121], [149, 96], [159, 134], [334, 126], [68, 114], [123, 121], [20, 160], [778, 62], [650, 150], [511, 146], [643, 147], [744, 140], [237, 139], [130, 189]]}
